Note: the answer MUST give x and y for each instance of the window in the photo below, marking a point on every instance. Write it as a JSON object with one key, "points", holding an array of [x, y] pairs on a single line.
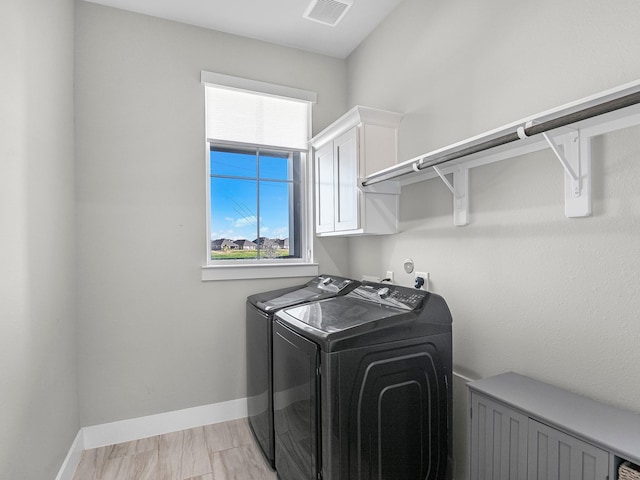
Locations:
{"points": [[255, 203], [258, 179]]}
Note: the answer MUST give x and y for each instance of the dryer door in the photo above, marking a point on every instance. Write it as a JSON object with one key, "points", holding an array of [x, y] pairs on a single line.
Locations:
{"points": [[295, 402]]}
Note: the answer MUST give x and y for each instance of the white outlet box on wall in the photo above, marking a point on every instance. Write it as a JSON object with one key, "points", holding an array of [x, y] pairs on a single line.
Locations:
{"points": [[425, 277]]}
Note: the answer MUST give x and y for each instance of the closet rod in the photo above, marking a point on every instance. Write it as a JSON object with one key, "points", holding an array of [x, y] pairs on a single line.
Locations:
{"points": [[562, 121]]}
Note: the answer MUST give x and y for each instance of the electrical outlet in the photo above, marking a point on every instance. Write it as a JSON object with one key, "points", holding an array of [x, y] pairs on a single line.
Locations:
{"points": [[389, 275], [425, 277]]}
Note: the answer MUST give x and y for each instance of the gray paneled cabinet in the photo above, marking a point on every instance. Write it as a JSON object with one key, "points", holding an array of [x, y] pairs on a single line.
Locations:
{"points": [[553, 454], [498, 440], [523, 429]]}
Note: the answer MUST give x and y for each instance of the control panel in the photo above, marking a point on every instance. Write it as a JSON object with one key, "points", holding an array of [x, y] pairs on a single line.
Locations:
{"points": [[390, 295]]}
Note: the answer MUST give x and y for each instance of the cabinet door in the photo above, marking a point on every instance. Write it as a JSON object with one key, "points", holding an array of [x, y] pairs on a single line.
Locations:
{"points": [[498, 446], [554, 455], [345, 153], [324, 189]]}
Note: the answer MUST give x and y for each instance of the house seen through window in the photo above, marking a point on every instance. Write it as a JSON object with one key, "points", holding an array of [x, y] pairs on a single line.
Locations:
{"points": [[257, 192]]}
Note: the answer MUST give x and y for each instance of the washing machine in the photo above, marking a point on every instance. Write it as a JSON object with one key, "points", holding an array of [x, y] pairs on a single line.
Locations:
{"points": [[260, 310], [362, 387]]}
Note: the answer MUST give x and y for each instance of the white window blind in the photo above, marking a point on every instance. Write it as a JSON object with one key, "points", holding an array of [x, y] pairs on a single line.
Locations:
{"points": [[256, 116]]}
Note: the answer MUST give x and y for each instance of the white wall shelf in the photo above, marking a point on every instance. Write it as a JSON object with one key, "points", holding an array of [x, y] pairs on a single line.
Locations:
{"points": [[567, 130]]}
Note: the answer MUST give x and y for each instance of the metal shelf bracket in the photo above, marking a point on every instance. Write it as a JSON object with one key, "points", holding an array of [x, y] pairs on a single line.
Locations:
{"points": [[577, 177], [460, 191], [567, 166], [575, 158]]}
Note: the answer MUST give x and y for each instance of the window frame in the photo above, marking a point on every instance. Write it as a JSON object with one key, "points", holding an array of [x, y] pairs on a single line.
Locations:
{"points": [[263, 268], [292, 208]]}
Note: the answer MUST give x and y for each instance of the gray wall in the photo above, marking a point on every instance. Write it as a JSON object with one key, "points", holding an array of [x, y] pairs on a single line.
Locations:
{"points": [[530, 290], [38, 394], [152, 336]]}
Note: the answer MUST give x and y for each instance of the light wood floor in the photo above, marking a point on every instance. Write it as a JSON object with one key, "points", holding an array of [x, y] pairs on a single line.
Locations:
{"points": [[223, 451]]}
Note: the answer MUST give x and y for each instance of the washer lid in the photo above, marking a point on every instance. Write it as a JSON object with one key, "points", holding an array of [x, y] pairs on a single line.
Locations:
{"points": [[324, 286], [350, 321], [338, 314], [367, 303]]}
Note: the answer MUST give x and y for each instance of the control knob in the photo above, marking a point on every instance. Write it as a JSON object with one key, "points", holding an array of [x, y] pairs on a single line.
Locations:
{"points": [[383, 292]]}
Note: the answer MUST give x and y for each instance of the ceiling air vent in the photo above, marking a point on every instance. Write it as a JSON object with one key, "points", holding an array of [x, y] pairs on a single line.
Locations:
{"points": [[329, 12]]}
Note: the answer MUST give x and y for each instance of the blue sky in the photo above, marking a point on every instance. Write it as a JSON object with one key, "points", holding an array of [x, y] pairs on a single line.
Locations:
{"points": [[234, 200]]}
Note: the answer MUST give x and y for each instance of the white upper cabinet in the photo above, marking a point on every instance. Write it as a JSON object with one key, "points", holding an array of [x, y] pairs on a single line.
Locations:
{"points": [[362, 141]]}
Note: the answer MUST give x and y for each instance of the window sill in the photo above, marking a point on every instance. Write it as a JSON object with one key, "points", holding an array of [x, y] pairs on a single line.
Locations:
{"points": [[245, 272]]}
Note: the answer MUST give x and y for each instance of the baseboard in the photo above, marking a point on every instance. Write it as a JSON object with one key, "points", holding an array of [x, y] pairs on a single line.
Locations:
{"points": [[72, 459], [142, 427], [463, 377]]}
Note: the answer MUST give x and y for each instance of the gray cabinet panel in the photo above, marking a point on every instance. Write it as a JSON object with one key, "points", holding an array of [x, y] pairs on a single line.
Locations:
{"points": [[554, 455], [498, 441], [567, 436]]}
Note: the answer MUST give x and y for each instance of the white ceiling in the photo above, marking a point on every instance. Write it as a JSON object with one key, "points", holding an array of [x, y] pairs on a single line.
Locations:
{"points": [[275, 21]]}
